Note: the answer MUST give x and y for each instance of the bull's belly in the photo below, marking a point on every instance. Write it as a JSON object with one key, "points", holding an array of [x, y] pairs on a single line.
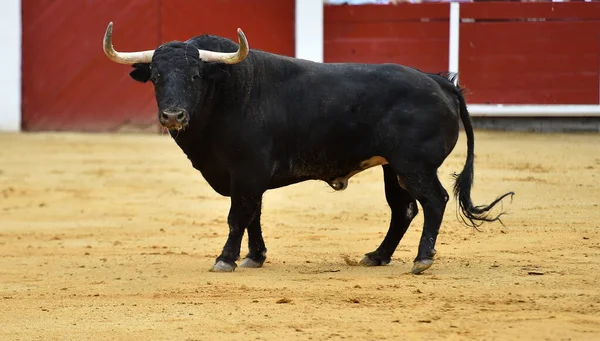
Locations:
{"points": [[335, 174]]}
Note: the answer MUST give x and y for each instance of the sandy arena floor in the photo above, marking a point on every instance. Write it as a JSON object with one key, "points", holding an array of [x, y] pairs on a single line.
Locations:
{"points": [[111, 237]]}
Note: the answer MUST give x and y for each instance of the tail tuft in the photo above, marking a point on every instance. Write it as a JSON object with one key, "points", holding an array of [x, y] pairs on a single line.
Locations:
{"points": [[464, 180], [472, 215]]}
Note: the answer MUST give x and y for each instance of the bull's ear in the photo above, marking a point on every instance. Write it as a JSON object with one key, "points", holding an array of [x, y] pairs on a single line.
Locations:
{"points": [[141, 72], [215, 71]]}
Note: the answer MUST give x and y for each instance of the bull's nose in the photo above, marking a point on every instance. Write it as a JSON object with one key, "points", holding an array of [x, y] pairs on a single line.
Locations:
{"points": [[173, 117]]}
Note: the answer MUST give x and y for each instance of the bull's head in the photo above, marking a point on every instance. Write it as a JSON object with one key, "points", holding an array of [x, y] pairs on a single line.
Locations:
{"points": [[180, 73]]}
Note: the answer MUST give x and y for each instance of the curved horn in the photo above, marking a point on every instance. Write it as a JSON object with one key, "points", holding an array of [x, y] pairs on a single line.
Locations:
{"points": [[228, 58], [124, 57]]}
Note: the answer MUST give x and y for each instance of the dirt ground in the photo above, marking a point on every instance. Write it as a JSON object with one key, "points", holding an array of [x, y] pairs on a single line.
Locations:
{"points": [[110, 237]]}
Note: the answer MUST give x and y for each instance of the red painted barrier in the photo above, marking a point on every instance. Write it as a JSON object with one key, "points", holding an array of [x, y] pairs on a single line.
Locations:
{"points": [[530, 53], [414, 35], [513, 53], [68, 83], [268, 24]]}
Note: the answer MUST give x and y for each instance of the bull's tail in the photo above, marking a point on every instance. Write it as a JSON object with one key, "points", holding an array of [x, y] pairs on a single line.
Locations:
{"points": [[464, 180]]}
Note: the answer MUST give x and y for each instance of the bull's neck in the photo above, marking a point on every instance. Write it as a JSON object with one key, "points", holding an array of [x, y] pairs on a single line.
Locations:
{"points": [[234, 91]]}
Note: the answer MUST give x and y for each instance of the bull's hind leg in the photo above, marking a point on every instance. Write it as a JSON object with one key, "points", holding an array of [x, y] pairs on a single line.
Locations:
{"points": [[404, 209], [257, 252], [423, 184]]}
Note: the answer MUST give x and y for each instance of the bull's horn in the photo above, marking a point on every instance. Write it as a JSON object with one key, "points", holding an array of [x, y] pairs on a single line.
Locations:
{"points": [[228, 58], [124, 57]]}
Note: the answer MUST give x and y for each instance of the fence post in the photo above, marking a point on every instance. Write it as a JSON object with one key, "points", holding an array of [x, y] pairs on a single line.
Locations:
{"points": [[453, 49], [309, 30], [10, 79]]}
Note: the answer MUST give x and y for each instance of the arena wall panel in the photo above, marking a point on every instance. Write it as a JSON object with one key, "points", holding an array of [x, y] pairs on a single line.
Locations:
{"points": [[268, 24], [68, 83], [414, 35], [530, 53]]}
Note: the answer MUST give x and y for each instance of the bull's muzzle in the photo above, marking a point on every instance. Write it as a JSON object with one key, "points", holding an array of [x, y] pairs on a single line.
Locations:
{"points": [[174, 119]]}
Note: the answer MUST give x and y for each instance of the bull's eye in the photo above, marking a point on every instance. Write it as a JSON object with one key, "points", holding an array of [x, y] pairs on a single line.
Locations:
{"points": [[195, 77]]}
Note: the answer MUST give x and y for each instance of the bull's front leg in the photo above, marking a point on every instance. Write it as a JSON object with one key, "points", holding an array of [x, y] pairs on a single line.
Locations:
{"points": [[245, 205]]}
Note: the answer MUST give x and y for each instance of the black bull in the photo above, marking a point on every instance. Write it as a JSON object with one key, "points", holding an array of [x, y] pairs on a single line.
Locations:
{"points": [[251, 121]]}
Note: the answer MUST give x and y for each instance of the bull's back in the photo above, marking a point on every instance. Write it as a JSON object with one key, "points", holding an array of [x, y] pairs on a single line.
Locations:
{"points": [[344, 99], [350, 90]]}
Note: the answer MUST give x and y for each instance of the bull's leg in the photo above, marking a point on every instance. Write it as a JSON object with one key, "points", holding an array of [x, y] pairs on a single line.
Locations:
{"points": [[245, 204], [256, 245], [423, 184], [404, 209]]}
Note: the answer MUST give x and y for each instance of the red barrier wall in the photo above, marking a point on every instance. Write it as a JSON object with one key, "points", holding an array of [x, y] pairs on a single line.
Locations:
{"points": [[268, 24], [69, 84], [415, 35], [505, 57], [508, 56]]}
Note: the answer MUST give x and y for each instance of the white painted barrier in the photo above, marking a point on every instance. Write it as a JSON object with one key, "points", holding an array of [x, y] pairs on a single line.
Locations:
{"points": [[309, 30], [10, 58], [524, 110], [453, 49]]}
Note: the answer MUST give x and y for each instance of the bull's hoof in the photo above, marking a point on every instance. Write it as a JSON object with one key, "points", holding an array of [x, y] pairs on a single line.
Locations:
{"points": [[222, 266], [251, 263], [371, 260], [421, 265]]}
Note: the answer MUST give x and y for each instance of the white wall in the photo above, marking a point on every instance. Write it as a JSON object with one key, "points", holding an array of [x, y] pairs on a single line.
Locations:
{"points": [[10, 59], [309, 30]]}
